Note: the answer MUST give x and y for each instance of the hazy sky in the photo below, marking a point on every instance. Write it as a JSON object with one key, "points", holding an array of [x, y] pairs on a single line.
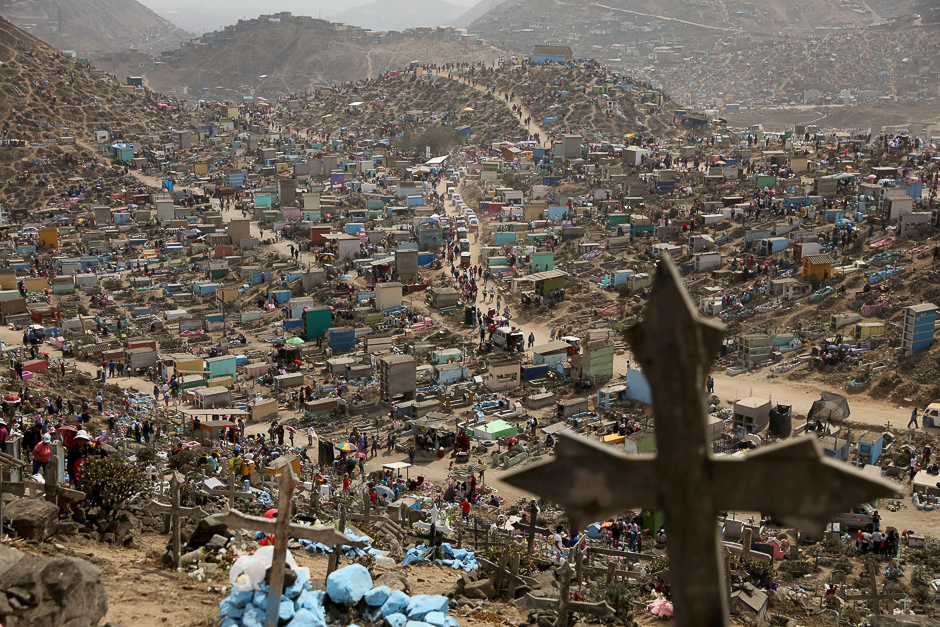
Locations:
{"points": [[206, 15]]}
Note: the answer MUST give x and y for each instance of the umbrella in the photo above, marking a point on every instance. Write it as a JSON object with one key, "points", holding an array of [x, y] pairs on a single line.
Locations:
{"points": [[384, 492], [290, 428], [12, 398], [293, 340], [362, 456], [346, 276], [346, 447], [327, 257]]}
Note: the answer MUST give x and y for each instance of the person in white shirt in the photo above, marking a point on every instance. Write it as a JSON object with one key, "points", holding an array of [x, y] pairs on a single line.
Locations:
{"points": [[557, 546], [311, 433]]}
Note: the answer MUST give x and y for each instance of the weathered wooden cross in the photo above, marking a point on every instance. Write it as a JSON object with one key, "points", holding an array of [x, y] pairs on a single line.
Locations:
{"points": [[176, 512], [283, 530], [231, 492], [512, 576], [563, 604], [790, 480], [50, 486], [874, 596], [531, 529], [432, 538]]}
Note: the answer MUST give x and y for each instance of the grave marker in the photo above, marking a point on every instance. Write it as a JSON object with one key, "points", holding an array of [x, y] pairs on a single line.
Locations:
{"points": [[676, 349], [531, 529], [874, 596], [563, 604], [283, 530], [231, 492], [176, 512]]}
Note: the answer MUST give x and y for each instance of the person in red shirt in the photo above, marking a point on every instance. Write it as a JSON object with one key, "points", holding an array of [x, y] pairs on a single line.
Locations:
{"points": [[465, 509], [346, 482]]}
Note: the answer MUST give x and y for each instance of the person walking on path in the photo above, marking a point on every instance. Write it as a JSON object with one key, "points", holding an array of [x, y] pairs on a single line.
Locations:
{"points": [[913, 421]]}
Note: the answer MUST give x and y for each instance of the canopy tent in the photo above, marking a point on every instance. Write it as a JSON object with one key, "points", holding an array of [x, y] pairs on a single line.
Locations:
{"points": [[829, 407], [212, 433]]}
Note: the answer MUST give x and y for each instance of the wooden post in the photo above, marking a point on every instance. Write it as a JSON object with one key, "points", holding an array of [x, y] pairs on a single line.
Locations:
{"points": [[511, 594], [342, 517], [501, 571], [564, 596]]}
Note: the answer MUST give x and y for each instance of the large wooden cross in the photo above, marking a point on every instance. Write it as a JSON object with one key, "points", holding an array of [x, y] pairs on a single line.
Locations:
{"points": [[874, 596], [791, 480], [176, 512], [283, 530]]}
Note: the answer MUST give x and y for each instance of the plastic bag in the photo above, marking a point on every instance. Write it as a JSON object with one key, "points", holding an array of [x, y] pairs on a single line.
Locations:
{"points": [[248, 570]]}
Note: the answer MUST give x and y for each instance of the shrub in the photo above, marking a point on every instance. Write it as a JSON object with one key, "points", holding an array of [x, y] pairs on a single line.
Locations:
{"points": [[184, 458], [109, 483]]}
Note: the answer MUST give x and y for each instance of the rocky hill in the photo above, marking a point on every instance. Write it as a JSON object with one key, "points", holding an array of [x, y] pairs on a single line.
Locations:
{"points": [[90, 26], [280, 54], [45, 96]]}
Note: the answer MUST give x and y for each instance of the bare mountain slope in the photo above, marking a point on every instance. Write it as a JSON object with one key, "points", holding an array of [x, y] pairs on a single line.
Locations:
{"points": [[88, 26], [46, 95], [293, 54]]}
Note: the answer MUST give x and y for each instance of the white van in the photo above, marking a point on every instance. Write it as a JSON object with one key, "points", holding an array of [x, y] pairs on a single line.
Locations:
{"points": [[508, 338]]}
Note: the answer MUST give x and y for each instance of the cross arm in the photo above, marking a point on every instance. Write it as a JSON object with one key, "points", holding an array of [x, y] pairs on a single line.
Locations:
{"points": [[869, 597], [739, 550], [587, 480], [160, 508], [529, 602], [813, 488], [9, 460], [325, 535], [22, 488]]}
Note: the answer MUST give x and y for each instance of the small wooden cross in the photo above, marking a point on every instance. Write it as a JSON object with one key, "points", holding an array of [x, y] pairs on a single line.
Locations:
{"points": [[874, 596], [531, 529], [433, 539], [563, 604], [176, 513], [231, 492], [791, 480], [283, 530]]}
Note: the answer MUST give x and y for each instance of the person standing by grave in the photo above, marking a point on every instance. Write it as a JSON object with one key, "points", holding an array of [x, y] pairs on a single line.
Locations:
{"points": [[465, 510], [311, 433], [248, 468], [42, 453], [876, 521], [558, 546]]}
